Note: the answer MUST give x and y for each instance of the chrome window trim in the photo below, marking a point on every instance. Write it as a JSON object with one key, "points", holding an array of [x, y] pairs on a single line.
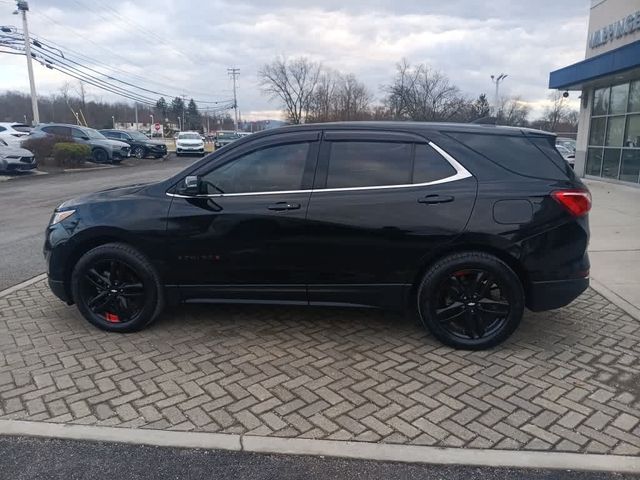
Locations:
{"points": [[461, 173]]}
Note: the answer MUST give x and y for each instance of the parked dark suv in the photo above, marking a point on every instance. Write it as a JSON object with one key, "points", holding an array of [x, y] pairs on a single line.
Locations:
{"points": [[141, 145], [463, 224]]}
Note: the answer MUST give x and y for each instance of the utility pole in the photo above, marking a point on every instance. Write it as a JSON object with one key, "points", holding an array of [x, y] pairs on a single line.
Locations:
{"points": [[496, 98], [23, 7], [234, 72], [136, 109], [183, 98]]}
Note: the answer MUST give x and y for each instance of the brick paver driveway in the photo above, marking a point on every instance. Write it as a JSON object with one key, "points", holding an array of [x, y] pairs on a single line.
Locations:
{"points": [[566, 381]]}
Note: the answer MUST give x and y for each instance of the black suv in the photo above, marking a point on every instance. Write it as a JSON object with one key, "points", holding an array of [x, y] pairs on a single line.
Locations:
{"points": [[141, 145], [463, 224]]}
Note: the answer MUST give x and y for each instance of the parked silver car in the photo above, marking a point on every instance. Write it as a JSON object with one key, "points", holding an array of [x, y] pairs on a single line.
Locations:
{"points": [[103, 150], [13, 159]]}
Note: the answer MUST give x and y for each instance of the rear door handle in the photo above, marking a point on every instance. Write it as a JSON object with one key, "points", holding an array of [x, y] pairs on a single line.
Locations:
{"points": [[433, 199], [280, 206]]}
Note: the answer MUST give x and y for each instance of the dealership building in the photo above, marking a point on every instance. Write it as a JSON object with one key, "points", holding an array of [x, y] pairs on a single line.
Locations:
{"points": [[608, 141]]}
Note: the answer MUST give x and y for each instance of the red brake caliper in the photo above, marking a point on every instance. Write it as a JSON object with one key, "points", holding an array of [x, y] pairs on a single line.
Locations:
{"points": [[112, 317]]}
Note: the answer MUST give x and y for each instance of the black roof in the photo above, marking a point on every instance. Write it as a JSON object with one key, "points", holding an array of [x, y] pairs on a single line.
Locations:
{"points": [[416, 127]]}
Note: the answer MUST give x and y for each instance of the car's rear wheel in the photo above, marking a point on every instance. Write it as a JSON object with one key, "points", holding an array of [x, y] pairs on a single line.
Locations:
{"points": [[116, 288], [100, 155], [471, 300], [139, 152]]}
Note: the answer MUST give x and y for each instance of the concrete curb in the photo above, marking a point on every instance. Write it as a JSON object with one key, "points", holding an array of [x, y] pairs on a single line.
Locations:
{"points": [[353, 450], [26, 283], [614, 298]]}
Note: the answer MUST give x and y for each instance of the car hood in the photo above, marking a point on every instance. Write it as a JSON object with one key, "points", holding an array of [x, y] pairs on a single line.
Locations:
{"points": [[102, 195], [14, 151]]}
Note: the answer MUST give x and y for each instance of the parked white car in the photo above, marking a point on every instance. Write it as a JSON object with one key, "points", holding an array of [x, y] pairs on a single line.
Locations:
{"points": [[13, 158], [189, 143], [13, 133]]}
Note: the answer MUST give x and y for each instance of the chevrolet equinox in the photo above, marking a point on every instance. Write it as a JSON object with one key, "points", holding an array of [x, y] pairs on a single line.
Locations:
{"points": [[466, 225]]}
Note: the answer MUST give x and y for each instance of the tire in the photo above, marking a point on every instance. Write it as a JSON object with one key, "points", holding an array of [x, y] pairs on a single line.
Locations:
{"points": [[135, 279], [139, 152], [471, 300], [100, 155]]}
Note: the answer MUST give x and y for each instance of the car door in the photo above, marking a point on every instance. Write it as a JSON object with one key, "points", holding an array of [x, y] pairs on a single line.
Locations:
{"points": [[382, 202], [244, 236], [79, 136]]}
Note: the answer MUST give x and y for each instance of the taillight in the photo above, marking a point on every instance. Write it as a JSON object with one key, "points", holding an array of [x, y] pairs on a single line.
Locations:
{"points": [[577, 202]]}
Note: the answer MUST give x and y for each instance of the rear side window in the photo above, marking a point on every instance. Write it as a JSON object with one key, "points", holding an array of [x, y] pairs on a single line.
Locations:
{"points": [[513, 152], [547, 145], [429, 165], [367, 164], [60, 131]]}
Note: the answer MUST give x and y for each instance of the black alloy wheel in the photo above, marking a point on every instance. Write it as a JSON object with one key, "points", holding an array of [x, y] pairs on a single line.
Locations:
{"points": [[116, 288], [139, 152], [471, 300]]}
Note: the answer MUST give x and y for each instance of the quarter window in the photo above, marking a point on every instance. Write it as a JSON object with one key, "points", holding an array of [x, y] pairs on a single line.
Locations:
{"points": [[270, 169], [367, 164], [429, 165]]}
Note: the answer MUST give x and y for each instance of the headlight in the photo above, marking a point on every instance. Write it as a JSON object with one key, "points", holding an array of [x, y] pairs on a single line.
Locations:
{"points": [[60, 216]]}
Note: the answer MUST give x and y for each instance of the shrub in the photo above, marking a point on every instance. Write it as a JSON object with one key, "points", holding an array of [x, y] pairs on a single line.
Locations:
{"points": [[69, 154], [42, 147]]}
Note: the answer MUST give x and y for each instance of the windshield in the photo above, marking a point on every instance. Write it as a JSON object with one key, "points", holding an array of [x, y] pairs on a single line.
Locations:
{"points": [[91, 133], [189, 136], [138, 135]]}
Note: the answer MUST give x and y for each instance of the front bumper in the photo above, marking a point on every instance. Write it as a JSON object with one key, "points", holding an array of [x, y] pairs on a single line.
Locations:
{"points": [[122, 153], [186, 149], [554, 294]]}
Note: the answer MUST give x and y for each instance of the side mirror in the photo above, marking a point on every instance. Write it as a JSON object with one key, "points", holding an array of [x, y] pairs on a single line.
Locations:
{"points": [[190, 185], [84, 137]]}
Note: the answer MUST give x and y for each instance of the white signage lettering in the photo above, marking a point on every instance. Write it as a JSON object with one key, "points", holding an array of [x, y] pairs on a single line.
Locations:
{"points": [[625, 26]]}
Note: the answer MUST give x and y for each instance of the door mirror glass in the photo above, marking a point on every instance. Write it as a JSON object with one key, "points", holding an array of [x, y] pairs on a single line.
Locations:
{"points": [[190, 185], [84, 137]]}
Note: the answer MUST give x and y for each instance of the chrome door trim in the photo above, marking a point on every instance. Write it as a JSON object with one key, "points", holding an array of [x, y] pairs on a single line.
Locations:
{"points": [[461, 173]]}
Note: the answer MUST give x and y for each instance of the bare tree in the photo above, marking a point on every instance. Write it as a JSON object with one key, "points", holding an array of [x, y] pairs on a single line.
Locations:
{"points": [[339, 97], [513, 111], [424, 94], [293, 82], [556, 112]]}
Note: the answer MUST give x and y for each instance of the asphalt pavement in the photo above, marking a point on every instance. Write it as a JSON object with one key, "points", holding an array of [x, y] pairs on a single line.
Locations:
{"points": [[29, 200], [33, 458]]}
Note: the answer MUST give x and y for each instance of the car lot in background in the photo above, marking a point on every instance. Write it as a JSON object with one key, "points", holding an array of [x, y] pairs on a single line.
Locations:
{"points": [[12, 132], [566, 142], [15, 159], [103, 149], [224, 137], [189, 143], [141, 145], [568, 154]]}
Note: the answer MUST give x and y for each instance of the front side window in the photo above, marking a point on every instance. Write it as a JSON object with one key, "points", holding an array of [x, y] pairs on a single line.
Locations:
{"points": [[270, 169], [367, 164], [77, 133]]}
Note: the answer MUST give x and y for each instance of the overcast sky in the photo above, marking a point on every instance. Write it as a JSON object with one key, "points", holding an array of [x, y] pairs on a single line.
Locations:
{"points": [[186, 46]]}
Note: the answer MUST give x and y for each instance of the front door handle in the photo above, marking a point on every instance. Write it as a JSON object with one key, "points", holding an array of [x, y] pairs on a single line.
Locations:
{"points": [[280, 206], [433, 199]]}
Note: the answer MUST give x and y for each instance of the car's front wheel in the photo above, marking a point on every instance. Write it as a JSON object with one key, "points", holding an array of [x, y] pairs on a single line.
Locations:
{"points": [[471, 300], [139, 152], [100, 155], [116, 288]]}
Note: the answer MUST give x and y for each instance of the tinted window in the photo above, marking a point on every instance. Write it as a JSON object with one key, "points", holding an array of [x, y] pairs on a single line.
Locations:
{"points": [[515, 153], [367, 164], [270, 169], [2, 129], [60, 131], [429, 165], [77, 133], [546, 144], [20, 127]]}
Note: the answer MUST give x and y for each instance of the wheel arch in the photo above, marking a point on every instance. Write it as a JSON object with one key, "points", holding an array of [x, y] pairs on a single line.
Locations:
{"points": [[507, 255]]}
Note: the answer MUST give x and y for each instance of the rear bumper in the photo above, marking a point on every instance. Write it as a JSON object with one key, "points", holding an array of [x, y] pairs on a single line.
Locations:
{"points": [[554, 294]]}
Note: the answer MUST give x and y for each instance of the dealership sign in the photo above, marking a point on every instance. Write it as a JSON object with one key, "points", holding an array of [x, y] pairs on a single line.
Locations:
{"points": [[629, 24]]}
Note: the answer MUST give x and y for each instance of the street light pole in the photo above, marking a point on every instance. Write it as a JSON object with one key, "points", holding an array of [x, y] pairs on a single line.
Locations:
{"points": [[496, 98], [113, 119], [23, 7]]}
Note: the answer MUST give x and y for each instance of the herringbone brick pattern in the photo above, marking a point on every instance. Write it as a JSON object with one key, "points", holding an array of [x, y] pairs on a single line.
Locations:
{"points": [[568, 380]]}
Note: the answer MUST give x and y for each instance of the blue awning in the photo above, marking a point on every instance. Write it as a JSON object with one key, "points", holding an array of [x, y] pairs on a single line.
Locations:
{"points": [[615, 61]]}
